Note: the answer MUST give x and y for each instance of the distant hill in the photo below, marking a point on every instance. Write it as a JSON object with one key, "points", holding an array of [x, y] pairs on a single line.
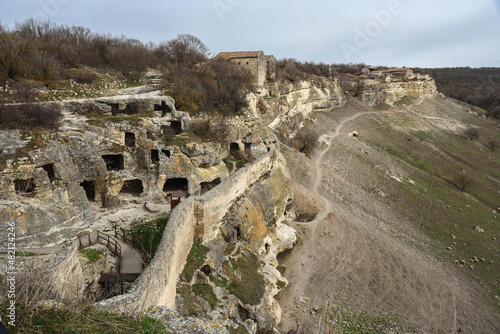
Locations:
{"points": [[477, 86]]}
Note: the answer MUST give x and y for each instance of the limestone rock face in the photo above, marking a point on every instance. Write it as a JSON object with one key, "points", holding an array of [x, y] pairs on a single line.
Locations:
{"points": [[291, 103], [55, 190], [253, 224], [375, 91], [204, 154]]}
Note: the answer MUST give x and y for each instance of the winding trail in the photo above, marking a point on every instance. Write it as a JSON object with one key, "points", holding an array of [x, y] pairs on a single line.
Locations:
{"points": [[327, 209]]}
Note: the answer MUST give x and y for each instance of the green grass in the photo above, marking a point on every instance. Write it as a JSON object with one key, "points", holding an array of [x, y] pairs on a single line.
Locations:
{"points": [[148, 234], [251, 286], [205, 291], [92, 255], [195, 260], [346, 320], [190, 295], [303, 216], [240, 330], [434, 159], [82, 320]]}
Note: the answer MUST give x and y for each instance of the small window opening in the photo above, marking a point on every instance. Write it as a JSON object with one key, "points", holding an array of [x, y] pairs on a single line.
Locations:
{"points": [[49, 168], [206, 269], [129, 139], [114, 161], [89, 187], [248, 148], [238, 232], [155, 157], [167, 153], [164, 108], [207, 186], [25, 187]]}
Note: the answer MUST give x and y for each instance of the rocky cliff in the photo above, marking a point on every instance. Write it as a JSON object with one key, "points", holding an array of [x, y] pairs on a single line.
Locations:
{"points": [[375, 90]]}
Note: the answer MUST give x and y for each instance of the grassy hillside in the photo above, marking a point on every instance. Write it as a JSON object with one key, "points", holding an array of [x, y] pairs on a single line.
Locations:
{"points": [[398, 222]]}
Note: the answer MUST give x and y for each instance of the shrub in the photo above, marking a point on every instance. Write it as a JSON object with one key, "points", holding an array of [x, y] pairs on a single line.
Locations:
{"points": [[471, 134], [493, 145], [30, 116], [148, 234], [306, 140], [463, 182]]}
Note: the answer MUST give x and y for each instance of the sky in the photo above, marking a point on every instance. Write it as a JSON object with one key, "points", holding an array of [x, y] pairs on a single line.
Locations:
{"points": [[423, 33]]}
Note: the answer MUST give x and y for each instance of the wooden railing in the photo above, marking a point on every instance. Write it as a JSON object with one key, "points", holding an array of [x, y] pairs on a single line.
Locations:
{"points": [[122, 234], [102, 239], [110, 243]]}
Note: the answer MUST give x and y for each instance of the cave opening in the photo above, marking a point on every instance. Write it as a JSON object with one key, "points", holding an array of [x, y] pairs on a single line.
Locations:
{"points": [[49, 168], [175, 184], [207, 186], [129, 139], [164, 108], [155, 156], [234, 148], [25, 187], [114, 161], [167, 153], [115, 109], [176, 126], [132, 187], [89, 187]]}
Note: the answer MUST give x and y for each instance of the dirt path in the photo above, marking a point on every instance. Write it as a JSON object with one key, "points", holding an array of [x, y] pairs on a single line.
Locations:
{"points": [[300, 283], [358, 251]]}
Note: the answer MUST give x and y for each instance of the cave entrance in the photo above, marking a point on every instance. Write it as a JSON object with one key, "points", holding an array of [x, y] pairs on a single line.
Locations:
{"points": [[164, 108], [167, 153], [234, 148], [248, 149], [155, 156], [129, 139], [25, 187], [175, 184], [168, 131], [207, 186], [114, 161], [132, 187], [49, 168], [115, 109], [176, 126], [89, 187]]}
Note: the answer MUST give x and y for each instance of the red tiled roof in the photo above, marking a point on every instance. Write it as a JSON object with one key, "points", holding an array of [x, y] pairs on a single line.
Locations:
{"points": [[371, 67], [237, 54], [404, 69]]}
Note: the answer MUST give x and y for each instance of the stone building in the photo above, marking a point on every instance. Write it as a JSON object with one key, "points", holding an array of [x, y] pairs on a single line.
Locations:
{"points": [[261, 67]]}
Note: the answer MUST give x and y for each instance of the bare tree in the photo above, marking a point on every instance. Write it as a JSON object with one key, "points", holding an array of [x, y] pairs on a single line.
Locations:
{"points": [[306, 140], [493, 145], [463, 182], [471, 134], [186, 50]]}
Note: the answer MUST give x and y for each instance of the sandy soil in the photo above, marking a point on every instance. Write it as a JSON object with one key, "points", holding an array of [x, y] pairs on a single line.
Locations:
{"points": [[362, 252]]}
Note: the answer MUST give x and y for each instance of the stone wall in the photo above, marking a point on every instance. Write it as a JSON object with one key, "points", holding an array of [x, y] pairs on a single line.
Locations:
{"points": [[198, 216]]}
